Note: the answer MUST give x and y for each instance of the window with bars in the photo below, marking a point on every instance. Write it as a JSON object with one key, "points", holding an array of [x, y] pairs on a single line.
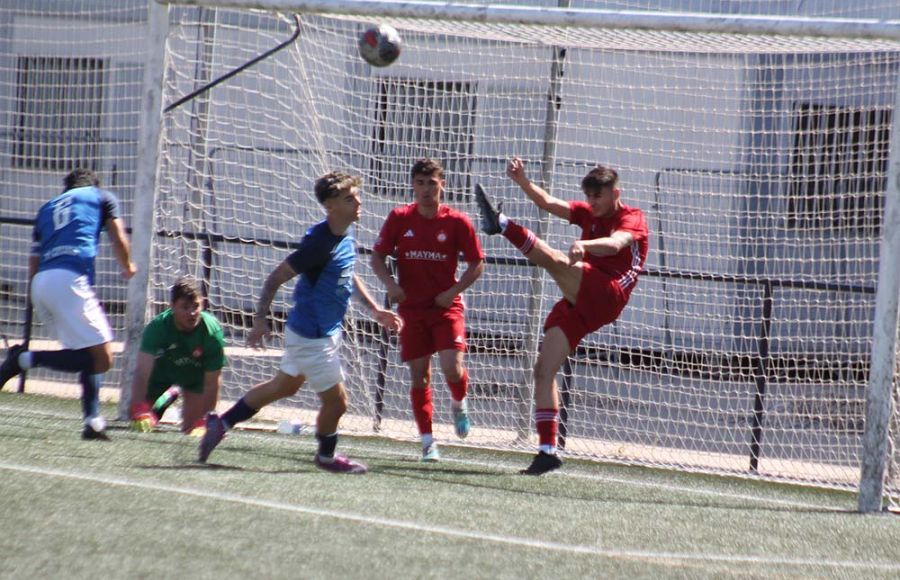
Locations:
{"points": [[59, 106], [839, 161], [417, 118]]}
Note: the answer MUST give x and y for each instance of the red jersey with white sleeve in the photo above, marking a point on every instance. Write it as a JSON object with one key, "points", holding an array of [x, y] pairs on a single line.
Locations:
{"points": [[427, 251], [625, 266]]}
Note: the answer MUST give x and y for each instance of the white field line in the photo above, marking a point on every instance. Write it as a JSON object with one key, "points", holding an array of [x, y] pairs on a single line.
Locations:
{"points": [[380, 452], [452, 532]]}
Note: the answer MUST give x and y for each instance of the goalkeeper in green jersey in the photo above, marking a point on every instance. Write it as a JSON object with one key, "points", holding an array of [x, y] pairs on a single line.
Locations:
{"points": [[182, 346]]}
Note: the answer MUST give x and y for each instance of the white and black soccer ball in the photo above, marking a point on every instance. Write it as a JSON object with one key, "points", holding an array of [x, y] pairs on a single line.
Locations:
{"points": [[380, 45]]}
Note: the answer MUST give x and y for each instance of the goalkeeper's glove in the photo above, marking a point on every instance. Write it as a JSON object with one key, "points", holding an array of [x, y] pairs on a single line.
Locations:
{"points": [[142, 417], [199, 428]]}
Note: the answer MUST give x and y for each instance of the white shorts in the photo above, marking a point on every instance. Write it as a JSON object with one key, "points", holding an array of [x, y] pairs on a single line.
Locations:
{"points": [[65, 301], [317, 359]]}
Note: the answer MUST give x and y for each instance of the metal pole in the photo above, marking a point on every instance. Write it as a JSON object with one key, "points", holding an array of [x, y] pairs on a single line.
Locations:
{"points": [[759, 401], [145, 196], [879, 400], [535, 302], [198, 153], [381, 379], [565, 393]]}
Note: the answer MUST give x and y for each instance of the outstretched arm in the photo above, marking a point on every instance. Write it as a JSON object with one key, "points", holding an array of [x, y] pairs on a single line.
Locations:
{"points": [[607, 246], [33, 262], [385, 318], [379, 266], [121, 246], [260, 330], [515, 170], [141, 380]]}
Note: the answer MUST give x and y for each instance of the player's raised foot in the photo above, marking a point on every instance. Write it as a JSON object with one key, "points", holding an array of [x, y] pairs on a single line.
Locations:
{"points": [[542, 463], [461, 421], [215, 432], [340, 464], [490, 216], [10, 366], [430, 453], [94, 430]]}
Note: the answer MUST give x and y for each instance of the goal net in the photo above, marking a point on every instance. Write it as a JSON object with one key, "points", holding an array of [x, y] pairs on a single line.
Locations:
{"points": [[70, 77], [760, 161]]}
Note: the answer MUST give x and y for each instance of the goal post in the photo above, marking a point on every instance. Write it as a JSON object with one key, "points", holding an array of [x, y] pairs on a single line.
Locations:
{"points": [[762, 150], [883, 371], [142, 222], [576, 17]]}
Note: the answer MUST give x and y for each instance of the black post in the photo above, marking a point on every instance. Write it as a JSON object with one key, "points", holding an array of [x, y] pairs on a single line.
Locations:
{"points": [[207, 263], [565, 391], [29, 314], [381, 379], [760, 375], [237, 70]]}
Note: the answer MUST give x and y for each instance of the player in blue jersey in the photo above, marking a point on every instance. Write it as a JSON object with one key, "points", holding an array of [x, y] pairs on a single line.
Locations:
{"points": [[324, 260], [61, 273]]}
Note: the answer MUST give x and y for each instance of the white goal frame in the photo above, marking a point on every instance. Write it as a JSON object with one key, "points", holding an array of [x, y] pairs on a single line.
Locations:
{"points": [[879, 406]]}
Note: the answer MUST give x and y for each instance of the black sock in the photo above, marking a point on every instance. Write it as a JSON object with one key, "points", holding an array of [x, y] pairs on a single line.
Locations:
{"points": [[240, 411], [90, 395], [72, 361], [327, 443]]}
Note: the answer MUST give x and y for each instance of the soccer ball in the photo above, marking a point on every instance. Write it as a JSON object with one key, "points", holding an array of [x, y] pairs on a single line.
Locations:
{"points": [[379, 45]]}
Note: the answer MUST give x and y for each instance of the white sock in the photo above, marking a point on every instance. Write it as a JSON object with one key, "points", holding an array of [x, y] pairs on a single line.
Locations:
{"points": [[503, 221], [427, 440], [551, 449], [97, 423]]}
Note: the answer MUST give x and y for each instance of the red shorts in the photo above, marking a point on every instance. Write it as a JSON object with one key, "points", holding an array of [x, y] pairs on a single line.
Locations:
{"points": [[599, 302], [430, 330]]}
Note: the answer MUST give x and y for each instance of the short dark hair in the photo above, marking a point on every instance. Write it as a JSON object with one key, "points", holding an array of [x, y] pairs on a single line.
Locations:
{"points": [[332, 184], [80, 177], [598, 178], [185, 287], [427, 166]]}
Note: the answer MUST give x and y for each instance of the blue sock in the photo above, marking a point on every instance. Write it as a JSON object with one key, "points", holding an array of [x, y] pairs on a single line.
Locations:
{"points": [[327, 443], [90, 394], [240, 411], [72, 361]]}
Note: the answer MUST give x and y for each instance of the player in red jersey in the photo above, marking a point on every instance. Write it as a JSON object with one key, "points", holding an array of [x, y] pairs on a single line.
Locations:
{"points": [[596, 278], [426, 238]]}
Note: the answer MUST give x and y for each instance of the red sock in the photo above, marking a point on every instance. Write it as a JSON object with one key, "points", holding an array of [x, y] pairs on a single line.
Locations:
{"points": [[459, 388], [546, 421], [520, 236], [423, 409]]}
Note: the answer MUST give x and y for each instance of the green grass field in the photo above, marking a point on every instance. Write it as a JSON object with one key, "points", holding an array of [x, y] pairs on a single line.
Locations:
{"points": [[140, 507]]}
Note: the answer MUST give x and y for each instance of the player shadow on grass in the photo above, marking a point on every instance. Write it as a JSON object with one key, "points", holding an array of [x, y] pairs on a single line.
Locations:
{"points": [[445, 476], [191, 465], [419, 470]]}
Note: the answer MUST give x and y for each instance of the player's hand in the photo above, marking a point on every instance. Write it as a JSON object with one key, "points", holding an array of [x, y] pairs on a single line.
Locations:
{"points": [[142, 418], [143, 424], [515, 170], [130, 271], [388, 319], [576, 252], [256, 338], [444, 299], [396, 295]]}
